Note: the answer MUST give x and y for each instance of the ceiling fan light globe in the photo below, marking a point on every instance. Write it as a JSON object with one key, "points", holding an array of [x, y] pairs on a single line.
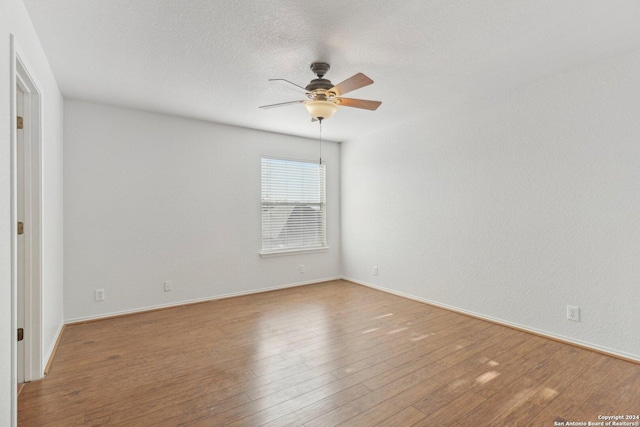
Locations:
{"points": [[324, 109]]}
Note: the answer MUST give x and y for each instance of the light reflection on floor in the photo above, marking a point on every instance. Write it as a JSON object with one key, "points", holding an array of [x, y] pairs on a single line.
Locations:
{"points": [[384, 315], [487, 376], [548, 393], [457, 384], [323, 329], [277, 328]]}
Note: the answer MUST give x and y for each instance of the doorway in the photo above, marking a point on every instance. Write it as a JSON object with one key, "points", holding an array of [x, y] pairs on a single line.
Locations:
{"points": [[20, 216], [26, 202]]}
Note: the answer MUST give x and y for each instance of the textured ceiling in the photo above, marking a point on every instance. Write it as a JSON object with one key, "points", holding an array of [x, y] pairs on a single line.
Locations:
{"points": [[211, 59]]}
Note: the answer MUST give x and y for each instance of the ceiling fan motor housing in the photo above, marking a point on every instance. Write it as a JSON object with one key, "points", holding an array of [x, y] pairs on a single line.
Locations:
{"points": [[319, 69], [319, 84]]}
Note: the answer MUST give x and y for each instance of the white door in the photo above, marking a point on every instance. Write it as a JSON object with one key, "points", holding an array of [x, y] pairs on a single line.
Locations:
{"points": [[20, 172]]}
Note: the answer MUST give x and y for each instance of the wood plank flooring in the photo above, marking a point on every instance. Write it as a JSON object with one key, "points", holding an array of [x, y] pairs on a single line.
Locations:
{"points": [[334, 353]]}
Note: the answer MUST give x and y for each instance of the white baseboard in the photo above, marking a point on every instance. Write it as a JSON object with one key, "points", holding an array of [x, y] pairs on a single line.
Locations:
{"points": [[52, 347], [49, 355], [196, 300], [587, 345]]}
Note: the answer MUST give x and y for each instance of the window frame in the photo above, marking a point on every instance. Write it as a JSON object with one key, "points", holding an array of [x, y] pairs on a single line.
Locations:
{"points": [[266, 253]]}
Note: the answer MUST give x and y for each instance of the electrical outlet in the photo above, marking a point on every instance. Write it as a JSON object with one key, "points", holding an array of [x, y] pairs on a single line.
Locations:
{"points": [[573, 313], [375, 271], [99, 294], [167, 286], [301, 268]]}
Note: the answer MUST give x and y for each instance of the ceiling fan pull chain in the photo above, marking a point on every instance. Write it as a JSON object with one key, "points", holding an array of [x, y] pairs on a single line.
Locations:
{"points": [[320, 120]]}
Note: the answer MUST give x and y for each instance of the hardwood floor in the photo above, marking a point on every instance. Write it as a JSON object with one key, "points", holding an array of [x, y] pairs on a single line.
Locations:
{"points": [[321, 355]]}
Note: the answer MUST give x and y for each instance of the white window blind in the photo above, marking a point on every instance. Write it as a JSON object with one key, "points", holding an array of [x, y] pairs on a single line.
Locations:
{"points": [[293, 205]]}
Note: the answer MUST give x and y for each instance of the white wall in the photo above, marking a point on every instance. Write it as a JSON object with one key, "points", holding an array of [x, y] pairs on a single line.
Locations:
{"points": [[14, 20], [150, 198], [512, 208]]}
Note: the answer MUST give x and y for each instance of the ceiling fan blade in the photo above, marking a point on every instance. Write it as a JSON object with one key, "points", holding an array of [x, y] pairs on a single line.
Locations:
{"points": [[352, 83], [359, 103], [286, 83], [281, 104]]}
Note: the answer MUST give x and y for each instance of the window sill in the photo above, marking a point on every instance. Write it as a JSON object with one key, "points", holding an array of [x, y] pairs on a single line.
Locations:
{"points": [[293, 252]]}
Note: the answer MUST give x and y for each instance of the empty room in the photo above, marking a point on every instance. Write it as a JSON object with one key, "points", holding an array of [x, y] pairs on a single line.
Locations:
{"points": [[292, 213]]}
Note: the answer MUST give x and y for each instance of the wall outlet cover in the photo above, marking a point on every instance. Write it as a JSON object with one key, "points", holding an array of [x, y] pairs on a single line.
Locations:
{"points": [[573, 313]]}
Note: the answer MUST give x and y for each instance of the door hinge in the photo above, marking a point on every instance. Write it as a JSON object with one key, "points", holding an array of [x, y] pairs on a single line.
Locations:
{"points": [[20, 122], [21, 228], [20, 334]]}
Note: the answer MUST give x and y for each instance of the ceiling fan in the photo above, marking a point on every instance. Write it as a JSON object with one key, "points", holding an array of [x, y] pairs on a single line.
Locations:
{"points": [[323, 98]]}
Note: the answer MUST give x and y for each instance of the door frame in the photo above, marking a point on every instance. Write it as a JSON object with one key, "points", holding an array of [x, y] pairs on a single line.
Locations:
{"points": [[20, 76]]}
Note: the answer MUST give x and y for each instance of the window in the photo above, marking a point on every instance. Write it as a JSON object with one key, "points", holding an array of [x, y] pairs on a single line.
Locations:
{"points": [[293, 205]]}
